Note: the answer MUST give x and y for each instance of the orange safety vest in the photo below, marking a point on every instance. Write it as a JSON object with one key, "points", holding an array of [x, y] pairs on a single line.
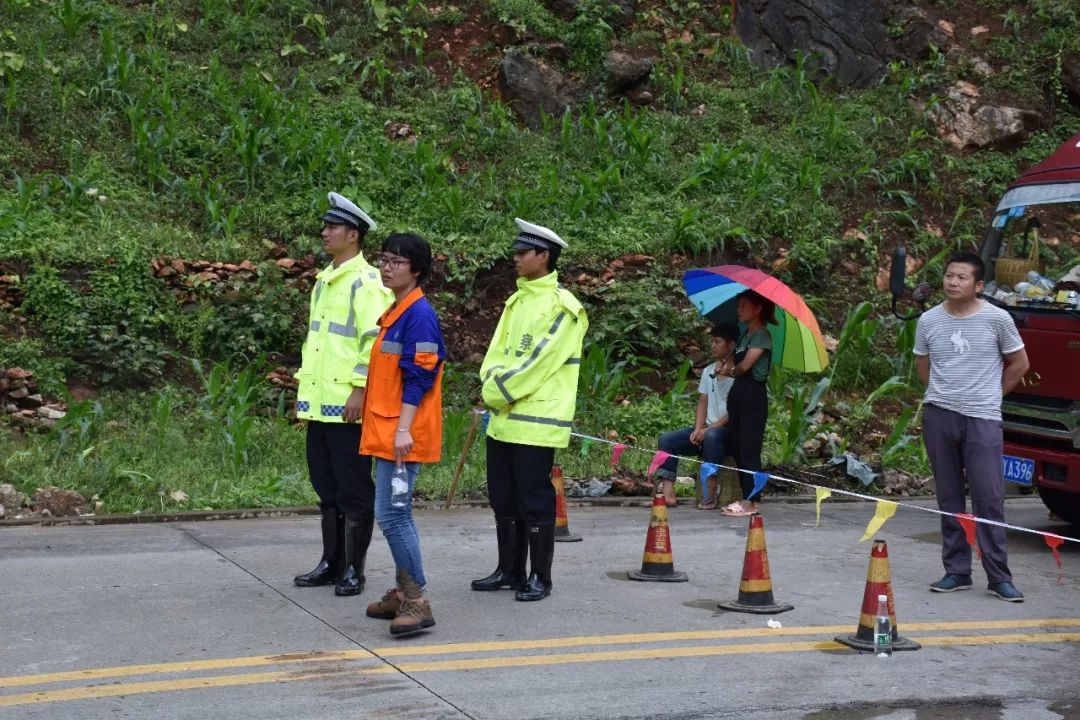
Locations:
{"points": [[382, 402]]}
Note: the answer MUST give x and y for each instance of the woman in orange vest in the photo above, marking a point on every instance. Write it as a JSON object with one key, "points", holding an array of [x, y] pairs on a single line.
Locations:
{"points": [[403, 421]]}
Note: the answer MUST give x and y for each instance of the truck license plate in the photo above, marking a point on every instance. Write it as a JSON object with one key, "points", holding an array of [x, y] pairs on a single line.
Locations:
{"points": [[1017, 469]]}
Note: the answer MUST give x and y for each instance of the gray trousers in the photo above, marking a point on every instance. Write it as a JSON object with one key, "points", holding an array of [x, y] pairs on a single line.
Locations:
{"points": [[959, 448]]}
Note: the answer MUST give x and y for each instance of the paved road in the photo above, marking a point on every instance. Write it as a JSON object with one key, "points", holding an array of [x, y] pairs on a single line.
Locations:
{"points": [[201, 620]]}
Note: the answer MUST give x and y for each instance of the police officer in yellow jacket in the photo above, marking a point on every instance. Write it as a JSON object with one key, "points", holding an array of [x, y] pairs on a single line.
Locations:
{"points": [[530, 378], [346, 303]]}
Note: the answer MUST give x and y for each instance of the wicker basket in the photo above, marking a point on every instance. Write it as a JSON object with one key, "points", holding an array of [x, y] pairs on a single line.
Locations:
{"points": [[1011, 269]]}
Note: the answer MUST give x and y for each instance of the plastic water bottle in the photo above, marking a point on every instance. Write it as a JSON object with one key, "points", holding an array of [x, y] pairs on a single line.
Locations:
{"points": [[399, 487], [882, 628]]}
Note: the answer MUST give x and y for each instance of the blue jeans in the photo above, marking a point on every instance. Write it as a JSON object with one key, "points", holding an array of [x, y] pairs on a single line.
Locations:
{"points": [[397, 523], [713, 448]]}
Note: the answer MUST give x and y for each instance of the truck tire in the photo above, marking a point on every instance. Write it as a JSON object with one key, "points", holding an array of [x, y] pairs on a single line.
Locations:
{"points": [[1065, 505]]}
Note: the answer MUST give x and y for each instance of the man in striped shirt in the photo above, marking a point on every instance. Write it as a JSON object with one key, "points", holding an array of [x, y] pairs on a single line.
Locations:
{"points": [[969, 355]]}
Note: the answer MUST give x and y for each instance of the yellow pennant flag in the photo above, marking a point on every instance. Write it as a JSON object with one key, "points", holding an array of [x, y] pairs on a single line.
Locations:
{"points": [[821, 493], [885, 510]]}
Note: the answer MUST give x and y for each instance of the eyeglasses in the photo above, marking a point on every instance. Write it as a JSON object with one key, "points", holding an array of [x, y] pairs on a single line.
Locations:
{"points": [[391, 262]]}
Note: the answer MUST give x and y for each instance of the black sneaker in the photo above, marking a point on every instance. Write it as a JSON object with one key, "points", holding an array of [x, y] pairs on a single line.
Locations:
{"points": [[952, 583], [1006, 591]]}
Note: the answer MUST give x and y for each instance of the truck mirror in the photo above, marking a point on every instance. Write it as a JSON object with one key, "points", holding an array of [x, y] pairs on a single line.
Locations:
{"points": [[897, 271]]}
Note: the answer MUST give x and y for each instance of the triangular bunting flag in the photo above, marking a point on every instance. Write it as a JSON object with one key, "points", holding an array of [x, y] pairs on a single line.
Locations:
{"points": [[657, 460], [967, 521], [707, 471], [1054, 542], [586, 445], [616, 453], [885, 510], [761, 479], [820, 494]]}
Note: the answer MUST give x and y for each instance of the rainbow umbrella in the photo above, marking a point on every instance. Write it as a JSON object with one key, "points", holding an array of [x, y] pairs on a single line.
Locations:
{"points": [[797, 342]]}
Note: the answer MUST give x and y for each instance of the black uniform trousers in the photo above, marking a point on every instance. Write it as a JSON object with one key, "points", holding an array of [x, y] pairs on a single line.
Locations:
{"points": [[519, 481], [748, 410], [340, 475]]}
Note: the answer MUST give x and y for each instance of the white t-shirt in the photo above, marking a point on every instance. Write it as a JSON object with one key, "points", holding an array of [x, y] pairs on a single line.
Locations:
{"points": [[716, 387], [966, 358]]}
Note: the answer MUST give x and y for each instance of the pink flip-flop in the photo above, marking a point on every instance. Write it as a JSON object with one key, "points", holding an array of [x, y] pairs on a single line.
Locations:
{"points": [[736, 509]]}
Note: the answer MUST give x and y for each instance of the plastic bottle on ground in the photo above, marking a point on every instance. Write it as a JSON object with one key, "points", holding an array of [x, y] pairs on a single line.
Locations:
{"points": [[882, 628]]}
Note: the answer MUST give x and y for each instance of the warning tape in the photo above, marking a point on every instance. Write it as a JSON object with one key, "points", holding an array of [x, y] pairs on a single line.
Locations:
{"points": [[838, 491]]}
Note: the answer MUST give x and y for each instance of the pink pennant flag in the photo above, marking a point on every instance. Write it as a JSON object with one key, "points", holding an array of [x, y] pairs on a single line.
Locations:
{"points": [[657, 460], [1054, 542], [967, 521], [616, 453]]}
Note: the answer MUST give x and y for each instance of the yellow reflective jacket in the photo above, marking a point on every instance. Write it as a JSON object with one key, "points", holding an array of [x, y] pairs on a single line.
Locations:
{"points": [[343, 320], [530, 372]]}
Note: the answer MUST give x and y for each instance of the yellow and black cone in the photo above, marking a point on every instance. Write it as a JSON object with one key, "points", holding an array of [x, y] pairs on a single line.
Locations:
{"points": [[755, 589], [657, 564], [562, 526], [878, 582]]}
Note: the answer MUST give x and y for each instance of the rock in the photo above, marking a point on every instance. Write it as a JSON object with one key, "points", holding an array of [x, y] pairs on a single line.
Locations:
{"points": [[18, 393], [19, 374], [964, 123], [58, 502], [398, 130], [3, 512], [50, 413], [10, 497], [626, 71], [33, 401], [247, 266], [850, 42], [530, 87], [641, 97], [979, 30], [285, 263]]}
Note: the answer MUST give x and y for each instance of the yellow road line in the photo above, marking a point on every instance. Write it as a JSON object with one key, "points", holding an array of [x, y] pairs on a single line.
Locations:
{"points": [[637, 638], [540, 644], [712, 650], [490, 663], [178, 667], [153, 686]]}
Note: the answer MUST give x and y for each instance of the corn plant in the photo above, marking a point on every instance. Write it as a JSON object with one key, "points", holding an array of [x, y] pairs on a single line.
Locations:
{"points": [[637, 140], [898, 440], [78, 430], [802, 407], [11, 65], [856, 338], [73, 17]]}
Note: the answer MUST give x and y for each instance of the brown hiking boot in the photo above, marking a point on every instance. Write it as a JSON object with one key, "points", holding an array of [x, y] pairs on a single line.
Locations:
{"points": [[387, 607], [412, 617], [414, 614]]}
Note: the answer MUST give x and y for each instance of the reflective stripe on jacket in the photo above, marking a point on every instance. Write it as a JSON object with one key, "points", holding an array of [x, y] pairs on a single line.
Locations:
{"points": [[530, 372], [406, 367], [346, 303]]}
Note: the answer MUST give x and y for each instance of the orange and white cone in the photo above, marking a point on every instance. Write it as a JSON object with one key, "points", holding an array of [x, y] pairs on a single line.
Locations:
{"points": [[755, 589], [878, 582], [657, 564], [562, 526]]}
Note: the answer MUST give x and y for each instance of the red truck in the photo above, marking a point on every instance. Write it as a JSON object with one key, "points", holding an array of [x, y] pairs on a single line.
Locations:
{"points": [[1041, 418]]}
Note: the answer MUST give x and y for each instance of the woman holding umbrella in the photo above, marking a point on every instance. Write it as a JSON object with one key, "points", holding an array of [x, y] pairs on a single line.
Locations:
{"points": [[780, 328], [748, 400]]}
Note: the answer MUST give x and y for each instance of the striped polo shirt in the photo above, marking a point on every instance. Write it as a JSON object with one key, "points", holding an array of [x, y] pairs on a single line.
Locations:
{"points": [[966, 358]]}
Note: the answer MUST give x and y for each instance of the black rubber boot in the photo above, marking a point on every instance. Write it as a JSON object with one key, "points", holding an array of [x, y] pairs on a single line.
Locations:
{"points": [[542, 551], [333, 557], [513, 548], [357, 539]]}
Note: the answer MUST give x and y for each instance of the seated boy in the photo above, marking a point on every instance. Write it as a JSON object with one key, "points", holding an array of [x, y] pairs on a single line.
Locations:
{"points": [[708, 437]]}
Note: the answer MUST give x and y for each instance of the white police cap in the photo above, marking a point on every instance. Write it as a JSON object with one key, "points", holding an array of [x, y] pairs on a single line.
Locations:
{"points": [[345, 212], [535, 237]]}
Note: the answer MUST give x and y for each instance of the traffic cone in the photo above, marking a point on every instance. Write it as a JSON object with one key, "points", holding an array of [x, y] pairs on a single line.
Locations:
{"points": [[755, 589], [657, 565], [878, 582], [562, 527]]}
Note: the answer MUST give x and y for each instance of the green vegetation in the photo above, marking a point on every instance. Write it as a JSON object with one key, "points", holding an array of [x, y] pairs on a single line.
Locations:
{"points": [[212, 129]]}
